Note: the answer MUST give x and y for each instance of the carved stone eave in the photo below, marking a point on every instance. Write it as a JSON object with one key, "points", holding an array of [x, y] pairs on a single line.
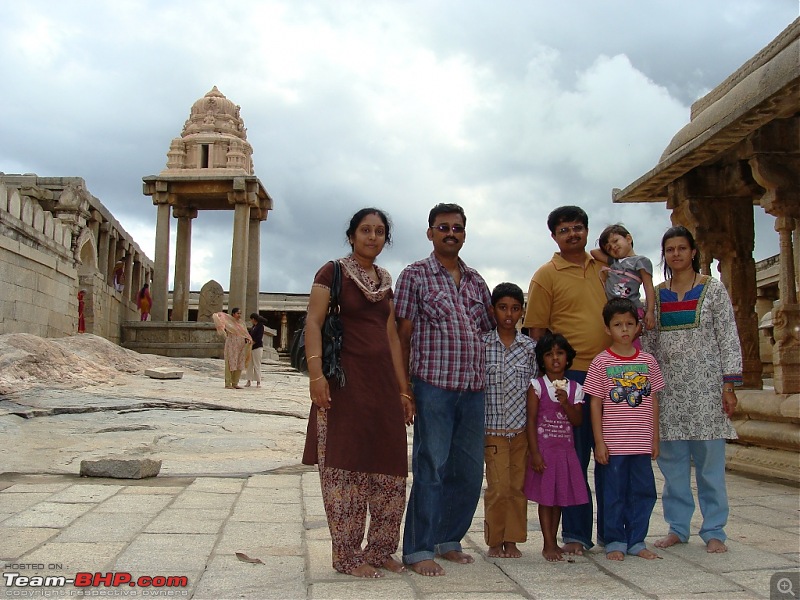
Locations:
{"points": [[209, 192], [770, 90], [742, 148]]}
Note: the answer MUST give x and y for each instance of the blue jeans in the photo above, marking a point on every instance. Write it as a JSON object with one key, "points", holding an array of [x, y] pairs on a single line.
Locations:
{"points": [[447, 464], [629, 491], [675, 461], [576, 521]]}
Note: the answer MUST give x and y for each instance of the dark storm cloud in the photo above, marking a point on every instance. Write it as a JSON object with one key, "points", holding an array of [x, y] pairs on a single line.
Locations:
{"points": [[510, 108]]}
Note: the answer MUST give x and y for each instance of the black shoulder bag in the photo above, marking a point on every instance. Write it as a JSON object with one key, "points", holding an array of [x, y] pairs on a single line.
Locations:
{"points": [[332, 334]]}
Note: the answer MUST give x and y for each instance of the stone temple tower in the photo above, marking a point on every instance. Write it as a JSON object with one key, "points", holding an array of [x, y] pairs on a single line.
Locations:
{"points": [[209, 167]]}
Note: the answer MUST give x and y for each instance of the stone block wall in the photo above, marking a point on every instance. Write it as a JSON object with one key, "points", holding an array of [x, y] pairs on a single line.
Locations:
{"points": [[38, 276], [49, 250]]}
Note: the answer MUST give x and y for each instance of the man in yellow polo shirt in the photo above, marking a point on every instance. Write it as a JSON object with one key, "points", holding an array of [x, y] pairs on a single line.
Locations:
{"points": [[566, 296]]}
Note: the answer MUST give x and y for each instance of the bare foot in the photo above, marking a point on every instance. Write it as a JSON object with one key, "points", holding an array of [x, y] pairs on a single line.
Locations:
{"points": [[552, 553], [247, 384], [429, 568], [645, 553], [393, 565], [715, 546], [237, 387], [670, 540], [496, 551], [510, 550], [462, 558], [573, 548], [365, 571], [615, 555]]}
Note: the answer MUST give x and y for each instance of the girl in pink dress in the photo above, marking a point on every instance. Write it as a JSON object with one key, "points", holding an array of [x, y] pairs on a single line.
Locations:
{"points": [[554, 477]]}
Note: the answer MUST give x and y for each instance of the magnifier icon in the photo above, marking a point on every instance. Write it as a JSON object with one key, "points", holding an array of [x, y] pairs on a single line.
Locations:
{"points": [[785, 586]]}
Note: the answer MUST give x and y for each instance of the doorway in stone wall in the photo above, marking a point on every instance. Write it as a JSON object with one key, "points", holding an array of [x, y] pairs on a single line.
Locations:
{"points": [[88, 306]]}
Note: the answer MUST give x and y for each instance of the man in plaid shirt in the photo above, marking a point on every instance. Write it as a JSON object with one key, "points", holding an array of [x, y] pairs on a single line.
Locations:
{"points": [[443, 308]]}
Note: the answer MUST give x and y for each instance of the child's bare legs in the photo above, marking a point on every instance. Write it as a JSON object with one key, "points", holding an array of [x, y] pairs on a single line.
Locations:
{"points": [[549, 518]]}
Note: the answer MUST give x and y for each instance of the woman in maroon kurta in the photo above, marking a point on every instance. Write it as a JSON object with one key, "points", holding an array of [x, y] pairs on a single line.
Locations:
{"points": [[356, 433]]}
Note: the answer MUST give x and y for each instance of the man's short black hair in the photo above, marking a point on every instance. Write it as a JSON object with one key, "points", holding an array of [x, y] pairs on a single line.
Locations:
{"points": [[566, 214], [443, 209], [619, 306], [506, 289]]}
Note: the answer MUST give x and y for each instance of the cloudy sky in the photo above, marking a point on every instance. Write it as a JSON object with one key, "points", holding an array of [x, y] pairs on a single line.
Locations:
{"points": [[509, 108]]}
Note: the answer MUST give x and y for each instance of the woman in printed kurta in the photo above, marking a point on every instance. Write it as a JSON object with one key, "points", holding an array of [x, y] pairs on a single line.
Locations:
{"points": [[697, 347], [237, 347], [356, 432]]}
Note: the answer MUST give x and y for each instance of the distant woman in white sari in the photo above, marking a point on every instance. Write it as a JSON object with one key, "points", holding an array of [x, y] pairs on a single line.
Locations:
{"points": [[237, 347]]}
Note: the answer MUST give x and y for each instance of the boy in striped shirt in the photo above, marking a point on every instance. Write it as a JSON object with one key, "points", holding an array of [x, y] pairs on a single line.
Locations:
{"points": [[622, 382]]}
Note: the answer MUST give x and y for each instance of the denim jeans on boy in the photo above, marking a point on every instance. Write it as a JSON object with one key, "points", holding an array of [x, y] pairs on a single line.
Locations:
{"points": [[576, 521], [447, 464], [629, 493], [675, 460]]}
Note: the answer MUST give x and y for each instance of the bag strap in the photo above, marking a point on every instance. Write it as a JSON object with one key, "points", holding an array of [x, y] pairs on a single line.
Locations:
{"points": [[336, 288]]}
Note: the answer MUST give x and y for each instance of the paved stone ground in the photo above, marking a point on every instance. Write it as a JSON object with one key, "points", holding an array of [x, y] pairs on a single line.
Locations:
{"points": [[234, 512]]}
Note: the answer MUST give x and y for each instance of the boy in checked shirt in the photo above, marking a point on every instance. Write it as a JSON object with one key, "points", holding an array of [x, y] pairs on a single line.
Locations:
{"points": [[510, 366]]}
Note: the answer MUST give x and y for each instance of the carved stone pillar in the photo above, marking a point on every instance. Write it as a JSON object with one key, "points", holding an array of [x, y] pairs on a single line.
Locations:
{"points": [[284, 339], [113, 240], [72, 209], [136, 285], [102, 249], [160, 291], [716, 205], [253, 262], [126, 292], [237, 294], [796, 244], [786, 316], [787, 280], [183, 253], [94, 225], [775, 164]]}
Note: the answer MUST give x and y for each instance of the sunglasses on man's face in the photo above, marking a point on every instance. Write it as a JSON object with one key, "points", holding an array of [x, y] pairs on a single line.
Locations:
{"points": [[444, 228], [573, 229]]}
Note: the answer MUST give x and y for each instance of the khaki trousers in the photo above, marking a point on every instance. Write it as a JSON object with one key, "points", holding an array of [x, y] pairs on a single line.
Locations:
{"points": [[505, 506], [231, 377]]}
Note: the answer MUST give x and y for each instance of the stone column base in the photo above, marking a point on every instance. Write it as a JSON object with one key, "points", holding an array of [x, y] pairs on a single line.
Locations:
{"points": [[763, 462]]}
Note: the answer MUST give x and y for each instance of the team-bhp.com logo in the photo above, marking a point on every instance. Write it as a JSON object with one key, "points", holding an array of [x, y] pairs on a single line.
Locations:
{"points": [[111, 579]]}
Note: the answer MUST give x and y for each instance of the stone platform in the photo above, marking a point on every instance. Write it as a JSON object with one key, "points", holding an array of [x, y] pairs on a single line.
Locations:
{"points": [[234, 513], [182, 339]]}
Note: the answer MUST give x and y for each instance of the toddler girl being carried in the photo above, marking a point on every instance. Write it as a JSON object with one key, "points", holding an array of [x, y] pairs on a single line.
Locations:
{"points": [[626, 271]]}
